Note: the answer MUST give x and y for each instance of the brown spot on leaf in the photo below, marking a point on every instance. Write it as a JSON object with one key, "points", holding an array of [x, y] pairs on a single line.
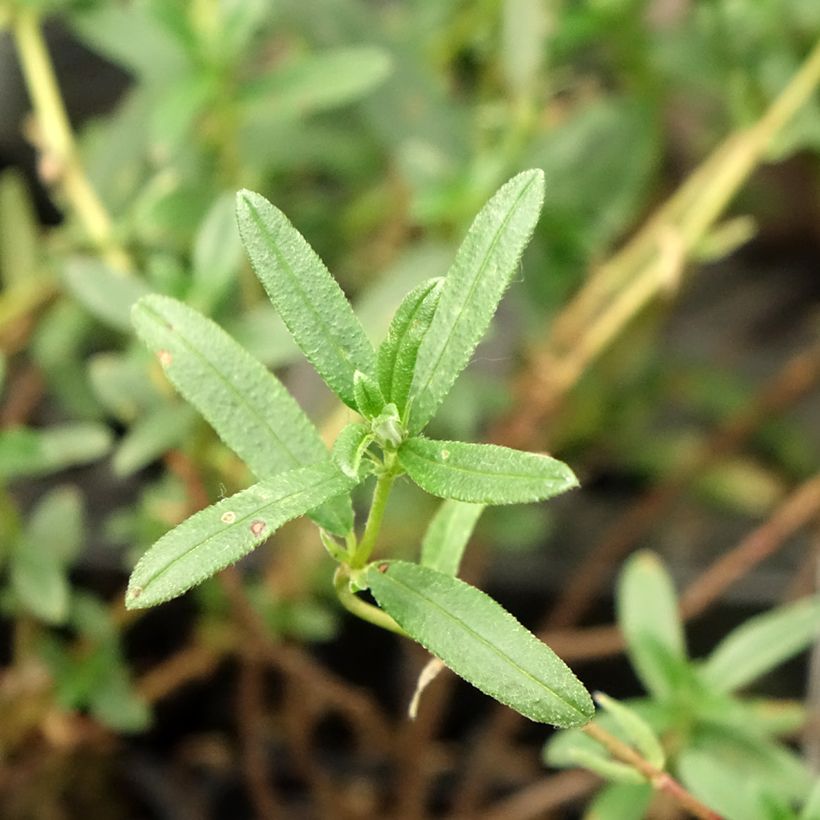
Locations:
{"points": [[135, 592], [258, 526], [165, 357], [383, 568], [228, 517]]}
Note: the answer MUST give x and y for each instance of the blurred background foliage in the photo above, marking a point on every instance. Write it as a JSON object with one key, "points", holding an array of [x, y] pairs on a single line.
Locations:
{"points": [[682, 370]]}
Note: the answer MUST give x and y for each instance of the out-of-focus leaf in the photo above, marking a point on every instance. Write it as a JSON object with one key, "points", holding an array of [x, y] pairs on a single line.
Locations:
{"points": [[18, 231], [447, 535], [318, 82], [635, 729], [811, 809], [648, 615], [57, 523], [152, 436], [762, 643], [217, 255], [574, 748], [119, 383], [106, 294], [114, 701], [25, 451], [620, 801], [39, 581], [480, 641], [524, 31]]}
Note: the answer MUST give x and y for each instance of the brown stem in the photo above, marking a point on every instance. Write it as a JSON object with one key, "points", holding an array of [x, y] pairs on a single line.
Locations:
{"points": [[660, 780]]}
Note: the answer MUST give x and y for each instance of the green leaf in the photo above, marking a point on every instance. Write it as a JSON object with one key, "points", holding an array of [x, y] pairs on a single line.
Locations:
{"points": [[648, 616], [115, 702], [217, 254], [25, 451], [152, 436], [811, 809], [762, 643], [349, 449], [246, 404], [574, 748], [368, 395], [397, 354], [447, 535], [104, 293], [318, 82], [636, 730], [620, 801], [475, 283], [483, 473], [39, 581], [480, 641], [308, 299], [223, 533], [57, 523], [19, 243]]}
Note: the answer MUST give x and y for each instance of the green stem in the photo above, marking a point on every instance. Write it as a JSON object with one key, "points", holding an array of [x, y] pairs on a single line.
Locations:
{"points": [[57, 139], [374, 519], [361, 609]]}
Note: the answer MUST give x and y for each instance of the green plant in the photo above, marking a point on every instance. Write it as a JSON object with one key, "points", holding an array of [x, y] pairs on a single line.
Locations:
{"points": [[725, 749], [396, 391]]}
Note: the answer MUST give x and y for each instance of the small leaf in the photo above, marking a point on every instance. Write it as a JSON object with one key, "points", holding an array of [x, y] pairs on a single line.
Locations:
{"points": [[475, 283], [349, 449], [480, 641], [574, 748], [104, 293], [25, 451], [636, 730], [397, 354], [216, 256], [308, 299], [648, 616], [368, 394], [483, 473], [57, 523], [620, 801], [245, 403], [223, 533], [447, 535], [39, 582], [152, 436], [762, 643]]}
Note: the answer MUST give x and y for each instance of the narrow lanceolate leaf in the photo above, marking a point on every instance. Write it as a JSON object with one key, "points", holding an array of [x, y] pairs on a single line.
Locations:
{"points": [[480, 641], [349, 449], [308, 299], [397, 354], [218, 536], [475, 283], [762, 643], [648, 616], [245, 403], [369, 398], [448, 534], [636, 730], [483, 473]]}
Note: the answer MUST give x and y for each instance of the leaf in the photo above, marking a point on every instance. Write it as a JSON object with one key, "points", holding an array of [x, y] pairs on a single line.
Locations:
{"points": [[349, 448], [152, 436], [39, 582], [58, 523], [620, 801], [636, 730], [308, 299], [475, 283], [573, 748], [483, 473], [246, 404], [369, 399], [104, 293], [396, 359], [25, 451], [447, 535], [326, 80], [480, 641], [115, 702], [648, 616], [223, 533], [216, 256], [811, 808], [19, 243], [762, 643]]}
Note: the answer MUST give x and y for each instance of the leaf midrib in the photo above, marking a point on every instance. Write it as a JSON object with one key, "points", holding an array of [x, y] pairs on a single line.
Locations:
{"points": [[481, 639]]}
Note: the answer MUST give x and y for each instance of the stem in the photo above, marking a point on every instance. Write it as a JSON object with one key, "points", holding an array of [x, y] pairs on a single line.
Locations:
{"points": [[660, 780], [58, 143], [374, 519], [361, 609]]}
